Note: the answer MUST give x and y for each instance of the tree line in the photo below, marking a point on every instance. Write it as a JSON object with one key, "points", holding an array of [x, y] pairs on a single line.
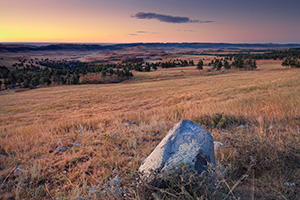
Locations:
{"points": [[237, 63], [290, 57], [60, 72]]}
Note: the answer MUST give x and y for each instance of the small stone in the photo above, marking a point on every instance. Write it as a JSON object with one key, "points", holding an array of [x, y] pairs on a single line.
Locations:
{"points": [[18, 170], [131, 122], [101, 134], [77, 143], [61, 149], [217, 145], [114, 135], [289, 184], [153, 133], [241, 127], [99, 141], [116, 181], [79, 131]]}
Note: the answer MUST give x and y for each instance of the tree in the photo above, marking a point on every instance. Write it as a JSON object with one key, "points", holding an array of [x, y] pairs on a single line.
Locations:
{"points": [[42, 81], [74, 80], [26, 83], [147, 68], [200, 64], [103, 72], [191, 63], [254, 65], [219, 65], [226, 65], [154, 67], [111, 71], [250, 62], [291, 62], [48, 81]]}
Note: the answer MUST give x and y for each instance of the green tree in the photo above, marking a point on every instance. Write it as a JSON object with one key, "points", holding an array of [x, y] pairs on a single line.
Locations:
{"points": [[103, 73], [147, 68], [26, 83], [226, 64], [200, 65], [42, 81], [219, 65], [74, 80], [254, 65]]}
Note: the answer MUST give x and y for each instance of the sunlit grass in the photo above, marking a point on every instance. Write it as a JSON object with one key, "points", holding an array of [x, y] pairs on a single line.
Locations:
{"points": [[34, 123]]}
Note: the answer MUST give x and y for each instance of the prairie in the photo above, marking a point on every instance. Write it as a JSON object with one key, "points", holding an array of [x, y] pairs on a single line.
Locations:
{"points": [[266, 102]]}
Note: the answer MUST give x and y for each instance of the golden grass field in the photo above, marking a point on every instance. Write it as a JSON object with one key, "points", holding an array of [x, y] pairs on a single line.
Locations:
{"points": [[34, 123]]}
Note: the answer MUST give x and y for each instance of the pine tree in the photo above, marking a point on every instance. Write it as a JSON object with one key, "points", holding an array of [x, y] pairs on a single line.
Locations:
{"points": [[226, 65], [254, 65], [200, 65]]}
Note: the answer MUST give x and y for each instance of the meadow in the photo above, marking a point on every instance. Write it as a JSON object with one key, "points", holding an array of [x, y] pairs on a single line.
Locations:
{"points": [[255, 114]]}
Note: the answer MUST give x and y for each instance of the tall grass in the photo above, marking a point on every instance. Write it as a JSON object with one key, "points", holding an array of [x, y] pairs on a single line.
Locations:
{"points": [[34, 123]]}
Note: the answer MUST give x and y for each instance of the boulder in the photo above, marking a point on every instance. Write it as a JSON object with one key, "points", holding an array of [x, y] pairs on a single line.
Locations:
{"points": [[186, 143]]}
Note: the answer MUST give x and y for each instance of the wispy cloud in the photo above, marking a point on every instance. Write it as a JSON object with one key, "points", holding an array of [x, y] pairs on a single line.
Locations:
{"points": [[185, 30], [167, 18], [142, 32], [147, 32]]}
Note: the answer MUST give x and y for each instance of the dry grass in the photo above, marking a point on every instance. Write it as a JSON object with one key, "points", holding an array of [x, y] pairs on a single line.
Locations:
{"points": [[34, 123]]}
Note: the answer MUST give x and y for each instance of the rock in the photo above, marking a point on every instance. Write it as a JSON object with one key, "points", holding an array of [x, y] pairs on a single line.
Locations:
{"points": [[101, 134], [61, 149], [289, 184], [186, 143], [217, 145], [154, 133], [241, 127], [114, 135], [99, 141], [113, 188], [79, 131], [131, 122], [18, 170], [77, 143], [116, 181]]}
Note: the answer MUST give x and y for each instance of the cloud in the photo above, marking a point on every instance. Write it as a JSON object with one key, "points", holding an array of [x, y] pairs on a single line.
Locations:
{"points": [[146, 32], [186, 30], [167, 18], [132, 34]]}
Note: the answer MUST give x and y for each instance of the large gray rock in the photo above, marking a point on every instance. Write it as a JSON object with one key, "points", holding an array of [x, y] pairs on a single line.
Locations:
{"points": [[186, 143]]}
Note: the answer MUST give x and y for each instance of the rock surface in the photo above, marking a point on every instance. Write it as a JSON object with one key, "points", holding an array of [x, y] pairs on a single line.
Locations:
{"points": [[187, 143]]}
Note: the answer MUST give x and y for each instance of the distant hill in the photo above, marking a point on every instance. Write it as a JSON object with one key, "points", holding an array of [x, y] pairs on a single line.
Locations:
{"points": [[92, 47]]}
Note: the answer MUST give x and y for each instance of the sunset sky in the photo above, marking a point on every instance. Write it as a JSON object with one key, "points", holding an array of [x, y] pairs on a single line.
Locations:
{"points": [[115, 21]]}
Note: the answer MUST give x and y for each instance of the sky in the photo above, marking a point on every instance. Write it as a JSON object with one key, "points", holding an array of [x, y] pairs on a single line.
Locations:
{"points": [[127, 21]]}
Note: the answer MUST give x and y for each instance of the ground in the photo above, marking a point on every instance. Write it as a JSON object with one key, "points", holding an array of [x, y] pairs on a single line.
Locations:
{"points": [[266, 102]]}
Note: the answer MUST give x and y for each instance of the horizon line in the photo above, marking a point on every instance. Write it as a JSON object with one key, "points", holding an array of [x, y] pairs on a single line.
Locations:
{"points": [[113, 43]]}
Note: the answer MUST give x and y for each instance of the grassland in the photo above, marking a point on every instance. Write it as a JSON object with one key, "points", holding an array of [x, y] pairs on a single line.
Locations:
{"points": [[266, 102]]}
